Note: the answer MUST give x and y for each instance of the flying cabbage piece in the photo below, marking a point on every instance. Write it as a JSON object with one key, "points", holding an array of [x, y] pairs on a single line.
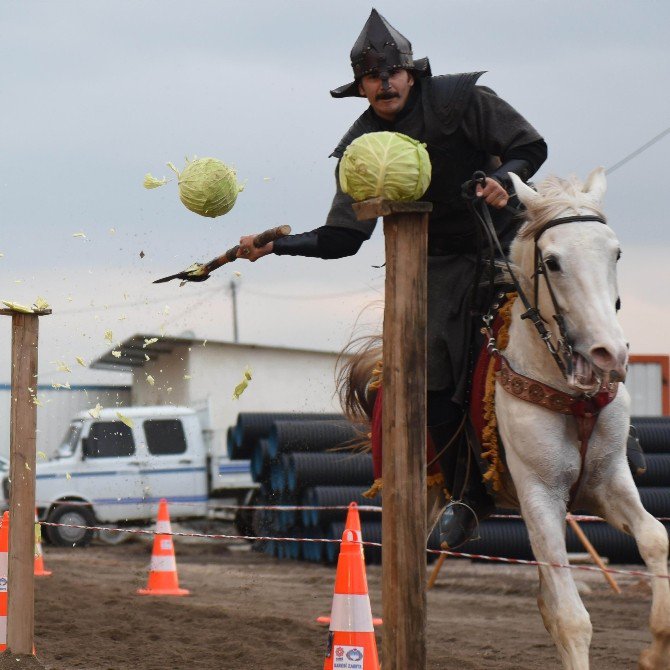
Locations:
{"points": [[207, 186], [385, 165]]}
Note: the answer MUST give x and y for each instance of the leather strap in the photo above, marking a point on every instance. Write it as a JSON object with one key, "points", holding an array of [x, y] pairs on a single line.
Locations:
{"points": [[585, 408]]}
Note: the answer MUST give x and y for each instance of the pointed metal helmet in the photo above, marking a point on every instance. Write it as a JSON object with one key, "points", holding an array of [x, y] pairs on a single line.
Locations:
{"points": [[380, 49]]}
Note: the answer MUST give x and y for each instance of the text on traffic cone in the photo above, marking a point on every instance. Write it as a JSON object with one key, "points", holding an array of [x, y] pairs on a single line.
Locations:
{"points": [[351, 640]]}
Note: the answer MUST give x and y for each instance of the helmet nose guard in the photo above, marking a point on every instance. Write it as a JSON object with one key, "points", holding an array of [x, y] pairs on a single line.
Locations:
{"points": [[380, 49]]}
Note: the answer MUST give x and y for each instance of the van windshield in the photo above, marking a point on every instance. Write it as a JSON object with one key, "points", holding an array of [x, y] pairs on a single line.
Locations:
{"points": [[69, 441]]}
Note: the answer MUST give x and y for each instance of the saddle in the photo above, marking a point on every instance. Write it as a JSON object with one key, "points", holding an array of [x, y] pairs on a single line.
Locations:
{"points": [[482, 414]]}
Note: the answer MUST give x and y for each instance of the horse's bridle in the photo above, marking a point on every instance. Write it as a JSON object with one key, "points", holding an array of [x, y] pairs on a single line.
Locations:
{"points": [[564, 343], [584, 407], [532, 311]]}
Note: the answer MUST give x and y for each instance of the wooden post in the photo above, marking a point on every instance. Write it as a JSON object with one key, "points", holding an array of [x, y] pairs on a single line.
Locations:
{"points": [[404, 431], [23, 425]]}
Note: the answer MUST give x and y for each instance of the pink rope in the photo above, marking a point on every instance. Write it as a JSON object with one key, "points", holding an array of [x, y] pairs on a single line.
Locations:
{"points": [[455, 554]]}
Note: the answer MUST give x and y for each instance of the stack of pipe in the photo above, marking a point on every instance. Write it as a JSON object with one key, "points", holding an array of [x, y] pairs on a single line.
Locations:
{"points": [[308, 460]]}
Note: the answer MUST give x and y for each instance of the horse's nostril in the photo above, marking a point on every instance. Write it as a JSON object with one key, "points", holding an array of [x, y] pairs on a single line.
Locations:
{"points": [[600, 353], [603, 358]]}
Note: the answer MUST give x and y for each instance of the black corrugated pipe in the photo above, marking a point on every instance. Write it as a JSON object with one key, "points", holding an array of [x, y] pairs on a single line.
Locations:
{"points": [[251, 426], [291, 436], [658, 472], [230, 442], [329, 470], [509, 539], [336, 496], [278, 476], [653, 433], [261, 462], [656, 500]]}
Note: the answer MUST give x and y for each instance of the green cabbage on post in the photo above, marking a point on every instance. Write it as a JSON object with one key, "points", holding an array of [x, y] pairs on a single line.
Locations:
{"points": [[385, 165], [207, 186]]}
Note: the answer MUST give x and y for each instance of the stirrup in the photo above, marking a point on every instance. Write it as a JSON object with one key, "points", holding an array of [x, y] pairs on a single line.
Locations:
{"points": [[459, 524]]}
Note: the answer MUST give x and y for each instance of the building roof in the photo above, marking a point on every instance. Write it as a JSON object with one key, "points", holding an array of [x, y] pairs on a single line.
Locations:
{"points": [[135, 350]]}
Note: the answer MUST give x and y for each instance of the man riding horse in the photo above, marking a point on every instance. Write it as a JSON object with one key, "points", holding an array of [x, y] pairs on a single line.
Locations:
{"points": [[466, 128]]}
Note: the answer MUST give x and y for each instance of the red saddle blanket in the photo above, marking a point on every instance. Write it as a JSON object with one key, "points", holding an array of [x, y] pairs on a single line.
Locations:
{"points": [[481, 414]]}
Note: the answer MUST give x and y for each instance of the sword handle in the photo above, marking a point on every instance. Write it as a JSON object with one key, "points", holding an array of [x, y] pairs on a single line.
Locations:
{"points": [[271, 235], [259, 241]]}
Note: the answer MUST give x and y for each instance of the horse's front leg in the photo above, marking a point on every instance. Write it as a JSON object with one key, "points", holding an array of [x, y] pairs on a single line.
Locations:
{"points": [[563, 612], [618, 502], [543, 470]]}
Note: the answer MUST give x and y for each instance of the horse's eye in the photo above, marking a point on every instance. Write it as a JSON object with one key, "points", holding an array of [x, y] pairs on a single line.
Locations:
{"points": [[552, 264], [618, 254]]}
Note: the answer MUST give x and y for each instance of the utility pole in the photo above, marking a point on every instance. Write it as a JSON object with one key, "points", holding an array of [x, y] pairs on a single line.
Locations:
{"points": [[233, 293]]}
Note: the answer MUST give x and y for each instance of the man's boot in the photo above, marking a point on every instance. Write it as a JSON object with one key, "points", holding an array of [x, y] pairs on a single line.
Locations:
{"points": [[461, 518], [463, 514]]}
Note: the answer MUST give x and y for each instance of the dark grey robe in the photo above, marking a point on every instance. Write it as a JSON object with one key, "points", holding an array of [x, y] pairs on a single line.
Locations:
{"points": [[485, 133]]}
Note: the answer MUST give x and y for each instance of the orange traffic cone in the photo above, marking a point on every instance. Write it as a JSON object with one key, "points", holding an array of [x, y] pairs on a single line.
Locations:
{"points": [[163, 580], [353, 522], [351, 641], [39, 557], [4, 565]]}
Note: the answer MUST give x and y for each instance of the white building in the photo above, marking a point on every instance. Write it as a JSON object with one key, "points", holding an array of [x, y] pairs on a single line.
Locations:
{"points": [[203, 375]]}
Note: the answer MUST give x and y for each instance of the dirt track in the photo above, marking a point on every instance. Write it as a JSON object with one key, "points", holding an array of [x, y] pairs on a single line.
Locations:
{"points": [[250, 612]]}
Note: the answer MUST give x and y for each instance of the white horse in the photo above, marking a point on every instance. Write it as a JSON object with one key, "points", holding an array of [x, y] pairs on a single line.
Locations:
{"points": [[546, 472]]}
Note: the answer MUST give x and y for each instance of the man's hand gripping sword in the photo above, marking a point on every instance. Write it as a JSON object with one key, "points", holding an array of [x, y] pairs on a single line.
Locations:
{"points": [[201, 271]]}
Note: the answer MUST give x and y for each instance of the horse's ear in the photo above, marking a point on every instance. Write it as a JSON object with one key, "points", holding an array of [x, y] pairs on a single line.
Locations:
{"points": [[524, 192], [596, 184]]}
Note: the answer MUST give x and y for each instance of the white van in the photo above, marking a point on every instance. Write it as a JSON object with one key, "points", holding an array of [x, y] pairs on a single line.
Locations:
{"points": [[111, 472]]}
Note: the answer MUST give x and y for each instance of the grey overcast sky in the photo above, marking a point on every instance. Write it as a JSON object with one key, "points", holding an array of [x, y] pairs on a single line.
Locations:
{"points": [[97, 93]]}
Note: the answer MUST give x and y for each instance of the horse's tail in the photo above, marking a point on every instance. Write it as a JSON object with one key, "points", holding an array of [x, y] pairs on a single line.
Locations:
{"points": [[358, 377]]}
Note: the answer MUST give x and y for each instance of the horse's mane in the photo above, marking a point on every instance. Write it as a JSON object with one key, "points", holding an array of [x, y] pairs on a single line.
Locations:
{"points": [[557, 196]]}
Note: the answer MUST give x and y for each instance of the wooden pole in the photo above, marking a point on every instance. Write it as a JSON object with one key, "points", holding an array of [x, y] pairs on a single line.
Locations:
{"points": [[592, 551], [23, 425], [404, 431]]}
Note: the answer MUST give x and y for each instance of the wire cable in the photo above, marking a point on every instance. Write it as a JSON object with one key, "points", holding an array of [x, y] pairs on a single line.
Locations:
{"points": [[638, 151]]}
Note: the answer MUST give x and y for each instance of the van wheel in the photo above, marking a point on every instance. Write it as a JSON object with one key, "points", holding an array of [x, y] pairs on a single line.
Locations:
{"points": [[113, 537], [76, 515]]}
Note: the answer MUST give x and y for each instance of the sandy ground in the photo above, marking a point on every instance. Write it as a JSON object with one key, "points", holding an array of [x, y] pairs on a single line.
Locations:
{"points": [[250, 612]]}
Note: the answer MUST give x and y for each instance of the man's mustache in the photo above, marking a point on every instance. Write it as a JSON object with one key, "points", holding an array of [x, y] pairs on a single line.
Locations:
{"points": [[388, 95]]}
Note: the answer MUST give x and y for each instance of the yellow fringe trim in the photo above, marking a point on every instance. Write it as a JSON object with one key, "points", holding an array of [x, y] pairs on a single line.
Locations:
{"points": [[435, 480], [375, 377], [490, 445], [374, 489]]}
